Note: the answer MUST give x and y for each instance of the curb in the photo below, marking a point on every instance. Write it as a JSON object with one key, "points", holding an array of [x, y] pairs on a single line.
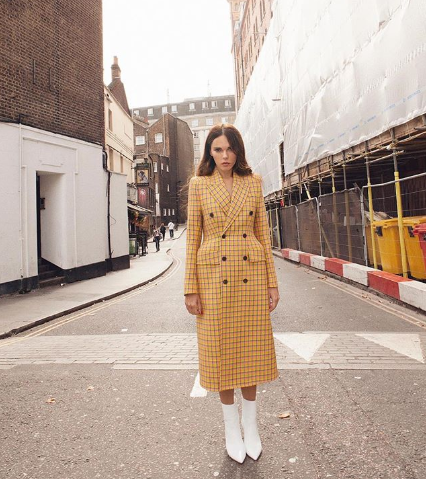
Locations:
{"points": [[404, 290], [38, 322]]}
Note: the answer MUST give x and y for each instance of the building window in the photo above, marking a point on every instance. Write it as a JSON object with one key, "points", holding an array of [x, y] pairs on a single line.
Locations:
{"points": [[194, 123], [150, 111], [109, 119], [195, 134], [192, 106], [173, 211], [227, 103], [164, 109], [140, 140], [209, 121], [262, 8], [121, 164], [136, 112], [214, 104], [156, 188], [111, 159], [168, 188], [196, 147], [164, 212], [224, 119], [167, 168], [169, 211], [155, 167], [205, 105], [162, 166], [158, 138], [174, 108]]}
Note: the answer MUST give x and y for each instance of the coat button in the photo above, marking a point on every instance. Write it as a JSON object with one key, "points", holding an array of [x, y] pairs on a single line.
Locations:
{"points": [[223, 258], [245, 258], [245, 280], [244, 235], [211, 215], [251, 213], [223, 236], [225, 281]]}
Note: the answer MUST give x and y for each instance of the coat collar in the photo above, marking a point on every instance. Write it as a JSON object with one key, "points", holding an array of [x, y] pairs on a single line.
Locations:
{"points": [[231, 205]]}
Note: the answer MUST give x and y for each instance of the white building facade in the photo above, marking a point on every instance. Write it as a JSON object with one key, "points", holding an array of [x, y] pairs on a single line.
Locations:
{"points": [[54, 189]]}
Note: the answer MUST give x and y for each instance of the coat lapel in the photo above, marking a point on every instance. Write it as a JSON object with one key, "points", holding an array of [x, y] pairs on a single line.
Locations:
{"points": [[218, 190], [239, 195]]}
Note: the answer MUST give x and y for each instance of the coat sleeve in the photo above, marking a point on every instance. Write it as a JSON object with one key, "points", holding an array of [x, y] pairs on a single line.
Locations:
{"points": [[193, 238], [261, 231]]}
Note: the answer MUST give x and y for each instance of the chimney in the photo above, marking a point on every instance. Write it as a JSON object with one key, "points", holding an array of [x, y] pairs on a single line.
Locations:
{"points": [[115, 70]]}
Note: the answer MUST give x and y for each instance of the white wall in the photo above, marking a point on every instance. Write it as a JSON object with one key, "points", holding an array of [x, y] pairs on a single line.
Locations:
{"points": [[118, 212], [73, 225]]}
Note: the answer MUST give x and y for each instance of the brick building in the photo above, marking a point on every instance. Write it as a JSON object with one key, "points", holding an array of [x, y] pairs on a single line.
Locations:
{"points": [[51, 76], [250, 21], [119, 142], [199, 113], [51, 146], [168, 143]]}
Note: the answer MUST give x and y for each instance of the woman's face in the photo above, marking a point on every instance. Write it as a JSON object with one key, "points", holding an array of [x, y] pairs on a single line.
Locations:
{"points": [[223, 156]]}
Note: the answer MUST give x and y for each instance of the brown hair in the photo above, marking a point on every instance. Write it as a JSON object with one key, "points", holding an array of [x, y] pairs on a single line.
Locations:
{"points": [[207, 164]]}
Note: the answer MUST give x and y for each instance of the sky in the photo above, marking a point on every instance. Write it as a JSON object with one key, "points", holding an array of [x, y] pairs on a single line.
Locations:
{"points": [[169, 50]]}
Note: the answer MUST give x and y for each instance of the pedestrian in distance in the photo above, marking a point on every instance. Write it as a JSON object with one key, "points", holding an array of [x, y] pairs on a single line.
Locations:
{"points": [[230, 283], [171, 227], [163, 230], [157, 237]]}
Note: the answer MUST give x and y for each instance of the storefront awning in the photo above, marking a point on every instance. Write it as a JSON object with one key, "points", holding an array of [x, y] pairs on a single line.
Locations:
{"points": [[139, 209]]}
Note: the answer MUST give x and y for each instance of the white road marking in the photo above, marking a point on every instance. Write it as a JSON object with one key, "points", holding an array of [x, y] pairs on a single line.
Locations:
{"points": [[405, 344], [198, 391], [304, 345]]}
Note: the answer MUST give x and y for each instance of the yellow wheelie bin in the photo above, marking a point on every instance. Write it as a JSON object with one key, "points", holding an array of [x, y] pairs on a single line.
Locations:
{"points": [[370, 247], [412, 245], [387, 234]]}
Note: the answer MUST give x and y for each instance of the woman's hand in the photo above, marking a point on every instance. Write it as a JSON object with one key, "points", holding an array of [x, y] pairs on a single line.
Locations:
{"points": [[193, 303], [274, 297]]}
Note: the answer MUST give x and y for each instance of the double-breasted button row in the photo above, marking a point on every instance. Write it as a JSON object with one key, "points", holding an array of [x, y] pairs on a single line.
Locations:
{"points": [[225, 281], [211, 215], [251, 213]]}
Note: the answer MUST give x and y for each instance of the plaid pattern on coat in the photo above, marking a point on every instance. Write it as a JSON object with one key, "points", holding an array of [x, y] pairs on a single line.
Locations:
{"points": [[229, 264]]}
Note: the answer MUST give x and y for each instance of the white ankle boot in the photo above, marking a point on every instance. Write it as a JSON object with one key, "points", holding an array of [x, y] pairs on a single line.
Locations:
{"points": [[234, 442], [251, 434]]}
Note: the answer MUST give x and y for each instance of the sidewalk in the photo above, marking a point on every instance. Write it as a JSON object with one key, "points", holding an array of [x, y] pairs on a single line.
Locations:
{"points": [[404, 290], [19, 312]]}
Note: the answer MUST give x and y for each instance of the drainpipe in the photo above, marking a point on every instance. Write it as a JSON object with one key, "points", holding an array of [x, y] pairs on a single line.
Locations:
{"points": [[105, 165], [21, 216]]}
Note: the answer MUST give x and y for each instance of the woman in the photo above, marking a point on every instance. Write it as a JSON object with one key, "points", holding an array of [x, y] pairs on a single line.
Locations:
{"points": [[157, 237], [230, 283]]}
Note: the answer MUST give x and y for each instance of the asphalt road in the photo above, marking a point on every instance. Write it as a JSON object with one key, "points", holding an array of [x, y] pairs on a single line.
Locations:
{"points": [[106, 392]]}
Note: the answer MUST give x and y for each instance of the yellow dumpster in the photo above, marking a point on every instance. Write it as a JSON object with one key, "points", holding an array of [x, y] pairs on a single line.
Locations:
{"points": [[412, 244], [370, 247], [387, 234]]}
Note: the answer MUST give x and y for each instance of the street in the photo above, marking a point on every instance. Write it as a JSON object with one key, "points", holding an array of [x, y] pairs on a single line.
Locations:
{"points": [[112, 391]]}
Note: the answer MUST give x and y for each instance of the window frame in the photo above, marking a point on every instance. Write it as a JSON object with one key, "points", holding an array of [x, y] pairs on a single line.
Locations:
{"points": [[143, 142]]}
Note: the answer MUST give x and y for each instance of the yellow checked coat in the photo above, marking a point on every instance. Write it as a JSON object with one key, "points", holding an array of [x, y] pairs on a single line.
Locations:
{"points": [[231, 270]]}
